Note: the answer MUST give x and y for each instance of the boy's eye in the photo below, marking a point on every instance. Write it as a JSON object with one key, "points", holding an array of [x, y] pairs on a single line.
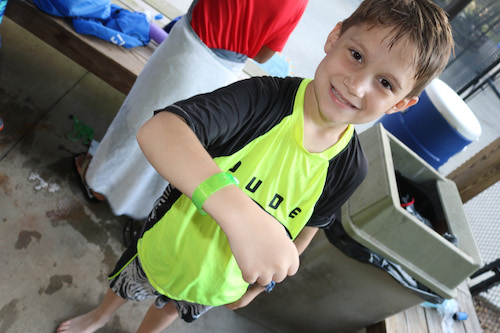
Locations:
{"points": [[386, 84], [356, 55]]}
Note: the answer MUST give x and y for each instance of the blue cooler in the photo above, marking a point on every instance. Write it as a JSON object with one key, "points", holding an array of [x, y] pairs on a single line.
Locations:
{"points": [[439, 126]]}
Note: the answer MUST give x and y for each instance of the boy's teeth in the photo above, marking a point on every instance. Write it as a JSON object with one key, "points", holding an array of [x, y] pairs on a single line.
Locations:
{"points": [[340, 98]]}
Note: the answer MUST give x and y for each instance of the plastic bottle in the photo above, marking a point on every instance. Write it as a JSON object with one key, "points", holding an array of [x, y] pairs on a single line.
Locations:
{"points": [[156, 33]]}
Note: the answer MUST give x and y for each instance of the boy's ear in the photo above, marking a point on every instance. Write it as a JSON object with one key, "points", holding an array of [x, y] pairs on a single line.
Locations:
{"points": [[332, 37], [403, 105]]}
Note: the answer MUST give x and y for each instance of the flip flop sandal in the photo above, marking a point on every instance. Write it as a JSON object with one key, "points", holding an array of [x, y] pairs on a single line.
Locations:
{"points": [[83, 171]]}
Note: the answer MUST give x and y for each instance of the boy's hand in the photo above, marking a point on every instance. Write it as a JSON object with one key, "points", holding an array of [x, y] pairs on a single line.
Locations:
{"points": [[260, 244], [265, 253]]}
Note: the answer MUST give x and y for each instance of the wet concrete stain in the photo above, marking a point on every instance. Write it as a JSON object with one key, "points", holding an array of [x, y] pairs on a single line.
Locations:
{"points": [[5, 184], [56, 283], [110, 258], [109, 262], [24, 239], [26, 145], [31, 163], [94, 221], [65, 149], [19, 114], [63, 167], [78, 219], [8, 315], [57, 217]]}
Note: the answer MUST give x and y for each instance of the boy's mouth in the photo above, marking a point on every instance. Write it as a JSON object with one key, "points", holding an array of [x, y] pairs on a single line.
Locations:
{"points": [[341, 99]]}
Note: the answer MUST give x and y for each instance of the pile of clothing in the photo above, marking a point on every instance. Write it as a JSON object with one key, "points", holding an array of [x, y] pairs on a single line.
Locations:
{"points": [[101, 19]]}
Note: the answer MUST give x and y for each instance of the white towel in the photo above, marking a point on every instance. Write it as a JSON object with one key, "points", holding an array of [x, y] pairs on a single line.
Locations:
{"points": [[182, 66]]}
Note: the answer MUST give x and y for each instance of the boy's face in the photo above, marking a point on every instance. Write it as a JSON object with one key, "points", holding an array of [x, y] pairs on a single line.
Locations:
{"points": [[361, 78]]}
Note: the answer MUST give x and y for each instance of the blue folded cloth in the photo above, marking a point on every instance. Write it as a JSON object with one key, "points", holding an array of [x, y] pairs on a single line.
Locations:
{"points": [[101, 19], [98, 9], [123, 27]]}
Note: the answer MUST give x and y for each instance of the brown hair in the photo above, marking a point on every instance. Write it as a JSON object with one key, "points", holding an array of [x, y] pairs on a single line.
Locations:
{"points": [[422, 22]]}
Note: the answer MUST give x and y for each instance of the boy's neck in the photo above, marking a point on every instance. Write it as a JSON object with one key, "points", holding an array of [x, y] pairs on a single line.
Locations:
{"points": [[318, 135]]}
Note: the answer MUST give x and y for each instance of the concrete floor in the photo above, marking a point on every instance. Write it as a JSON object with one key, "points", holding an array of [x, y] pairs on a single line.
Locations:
{"points": [[57, 247]]}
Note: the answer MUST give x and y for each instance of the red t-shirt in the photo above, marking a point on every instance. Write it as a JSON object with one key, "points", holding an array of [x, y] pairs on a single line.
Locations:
{"points": [[244, 26]]}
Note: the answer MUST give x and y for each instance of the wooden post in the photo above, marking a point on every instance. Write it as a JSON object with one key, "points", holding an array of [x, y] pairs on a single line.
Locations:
{"points": [[479, 172]]}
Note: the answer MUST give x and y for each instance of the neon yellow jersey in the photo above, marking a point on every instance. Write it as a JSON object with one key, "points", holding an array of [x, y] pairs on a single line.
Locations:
{"points": [[186, 255]]}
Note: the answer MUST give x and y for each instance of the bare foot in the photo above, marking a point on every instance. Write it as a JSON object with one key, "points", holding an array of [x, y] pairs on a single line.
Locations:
{"points": [[82, 161], [87, 323]]}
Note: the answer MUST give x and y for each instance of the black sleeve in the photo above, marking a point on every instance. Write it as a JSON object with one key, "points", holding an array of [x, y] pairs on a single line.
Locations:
{"points": [[346, 172], [226, 119]]}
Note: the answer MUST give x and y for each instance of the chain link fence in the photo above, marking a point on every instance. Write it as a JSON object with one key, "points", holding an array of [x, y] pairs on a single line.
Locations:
{"points": [[476, 31]]}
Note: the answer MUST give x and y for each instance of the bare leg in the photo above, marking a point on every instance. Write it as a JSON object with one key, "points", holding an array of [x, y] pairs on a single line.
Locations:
{"points": [[95, 319], [157, 320]]}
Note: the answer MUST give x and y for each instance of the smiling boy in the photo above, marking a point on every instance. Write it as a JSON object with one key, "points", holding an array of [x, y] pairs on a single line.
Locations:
{"points": [[291, 144]]}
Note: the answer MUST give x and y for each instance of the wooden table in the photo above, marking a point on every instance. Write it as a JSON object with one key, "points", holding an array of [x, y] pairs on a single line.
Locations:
{"points": [[114, 64], [419, 319]]}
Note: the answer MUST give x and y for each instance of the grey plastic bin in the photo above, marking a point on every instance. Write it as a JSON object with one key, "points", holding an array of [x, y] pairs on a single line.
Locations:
{"points": [[335, 293], [373, 216]]}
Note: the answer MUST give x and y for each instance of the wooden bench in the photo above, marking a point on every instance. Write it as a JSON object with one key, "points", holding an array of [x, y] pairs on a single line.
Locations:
{"points": [[114, 64], [420, 319]]}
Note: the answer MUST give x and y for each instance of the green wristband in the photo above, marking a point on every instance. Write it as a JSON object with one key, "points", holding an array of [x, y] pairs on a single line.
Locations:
{"points": [[211, 185]]}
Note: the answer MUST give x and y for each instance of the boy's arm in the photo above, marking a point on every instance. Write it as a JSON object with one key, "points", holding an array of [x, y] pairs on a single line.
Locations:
{"points": [[301, 242], [259, 243], [304, 238]]}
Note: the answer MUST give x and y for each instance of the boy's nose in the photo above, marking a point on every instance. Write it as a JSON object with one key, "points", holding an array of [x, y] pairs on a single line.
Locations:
{"points": [[355, 85]]}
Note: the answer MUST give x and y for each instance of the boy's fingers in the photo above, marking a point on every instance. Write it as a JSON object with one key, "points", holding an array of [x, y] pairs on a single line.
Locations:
{"points": [[264, 280], [278, 277], [249, 278], [294, 267]]}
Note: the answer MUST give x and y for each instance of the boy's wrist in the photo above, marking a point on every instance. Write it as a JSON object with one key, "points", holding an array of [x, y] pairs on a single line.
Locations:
{"points": [[227, 206], [211, 185]]}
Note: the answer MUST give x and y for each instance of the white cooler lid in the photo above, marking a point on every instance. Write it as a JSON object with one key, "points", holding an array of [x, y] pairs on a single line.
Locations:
{"points": [[453, 108]]}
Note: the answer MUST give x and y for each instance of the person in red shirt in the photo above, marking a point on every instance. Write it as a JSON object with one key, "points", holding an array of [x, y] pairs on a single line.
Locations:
{"points": [[254, 32]]}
